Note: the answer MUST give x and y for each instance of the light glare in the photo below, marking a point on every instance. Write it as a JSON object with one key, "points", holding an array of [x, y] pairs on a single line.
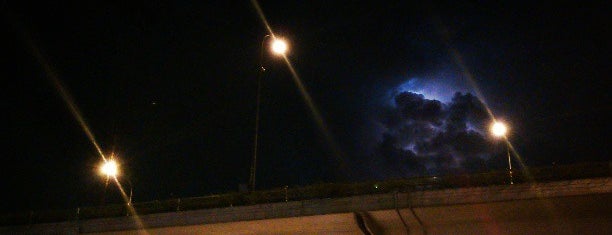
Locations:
{"points": [[499, 129], [279, 46], [110, 168]]}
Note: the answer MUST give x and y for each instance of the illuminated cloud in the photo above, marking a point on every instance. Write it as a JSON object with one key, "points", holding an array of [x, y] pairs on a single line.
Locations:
{"points": [[441, 88], [430, 127]]}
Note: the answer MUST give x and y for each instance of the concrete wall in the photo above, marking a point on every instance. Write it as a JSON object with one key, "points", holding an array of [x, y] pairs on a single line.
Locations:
{"points": [[565, 207]]}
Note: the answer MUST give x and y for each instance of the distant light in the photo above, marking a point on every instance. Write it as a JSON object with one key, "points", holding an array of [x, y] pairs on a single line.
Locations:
{"points": [[110, 168], [279, 46], [499, 129]]}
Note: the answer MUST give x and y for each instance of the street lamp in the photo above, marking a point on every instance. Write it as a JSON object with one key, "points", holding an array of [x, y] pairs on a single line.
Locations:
{"points": [[279, 47], [110, 169], [499, 130]]}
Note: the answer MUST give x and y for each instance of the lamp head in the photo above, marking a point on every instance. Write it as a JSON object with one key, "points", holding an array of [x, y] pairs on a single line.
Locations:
{"points": [[279, 46], [499, 129], [109, 168]]}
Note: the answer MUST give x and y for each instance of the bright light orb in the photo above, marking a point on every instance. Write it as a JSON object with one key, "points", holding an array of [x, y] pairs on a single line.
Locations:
{"points": [[279, 46], [109, 168], [499, 129]]}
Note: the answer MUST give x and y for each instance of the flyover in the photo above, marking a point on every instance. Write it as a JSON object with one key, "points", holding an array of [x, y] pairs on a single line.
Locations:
{"points": [[547, 201]]}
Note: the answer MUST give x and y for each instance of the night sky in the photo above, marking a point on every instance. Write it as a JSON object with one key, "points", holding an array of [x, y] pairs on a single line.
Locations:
{"points": [[403, 89]]}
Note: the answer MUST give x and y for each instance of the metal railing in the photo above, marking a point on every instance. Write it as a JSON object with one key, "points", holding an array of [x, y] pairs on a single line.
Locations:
{"points": [[317, 191]]}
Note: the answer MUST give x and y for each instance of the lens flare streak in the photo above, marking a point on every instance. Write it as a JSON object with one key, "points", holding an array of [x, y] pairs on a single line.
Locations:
{"points": [[140, 225], [63, 92], [468, 74], [74, 110], [322, 125]]}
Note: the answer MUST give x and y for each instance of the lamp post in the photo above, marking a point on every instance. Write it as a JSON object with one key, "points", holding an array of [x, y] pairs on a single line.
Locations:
{"points": [[110, 169], [499, 130], [278, 47]]}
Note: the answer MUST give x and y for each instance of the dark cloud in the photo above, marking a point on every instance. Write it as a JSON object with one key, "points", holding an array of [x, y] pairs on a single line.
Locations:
{"points": [[465, 109], [415, 107], [424, 136], [401, 161]]}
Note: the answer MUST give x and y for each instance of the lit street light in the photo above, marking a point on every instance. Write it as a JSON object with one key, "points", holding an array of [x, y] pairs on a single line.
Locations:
{"points": [[278, 47], [499, 130], [110, 169]]}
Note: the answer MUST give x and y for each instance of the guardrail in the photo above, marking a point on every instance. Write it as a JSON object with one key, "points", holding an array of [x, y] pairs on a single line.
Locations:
{"points": [[318, 191]]}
